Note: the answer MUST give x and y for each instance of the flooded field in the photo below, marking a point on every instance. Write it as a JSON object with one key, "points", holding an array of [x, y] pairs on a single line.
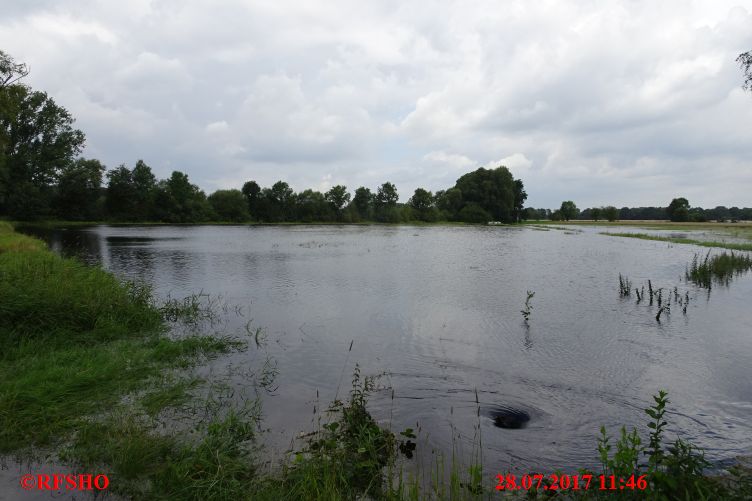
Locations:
{"points": [[437, 311]]}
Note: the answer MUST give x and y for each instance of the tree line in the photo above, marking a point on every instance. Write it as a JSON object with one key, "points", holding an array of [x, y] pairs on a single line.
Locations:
{"points": [[678, 210], [43, 176]]}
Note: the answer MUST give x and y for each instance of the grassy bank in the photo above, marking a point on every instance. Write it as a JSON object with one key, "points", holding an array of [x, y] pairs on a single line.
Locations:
{"points": [[85, 359], [680, 240]]}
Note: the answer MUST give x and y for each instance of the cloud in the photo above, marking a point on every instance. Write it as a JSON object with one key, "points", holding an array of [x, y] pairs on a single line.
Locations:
{"points": [[626, 102]]}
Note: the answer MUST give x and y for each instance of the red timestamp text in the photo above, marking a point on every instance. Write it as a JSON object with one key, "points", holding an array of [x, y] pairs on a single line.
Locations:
{"points": [[563, 482]]}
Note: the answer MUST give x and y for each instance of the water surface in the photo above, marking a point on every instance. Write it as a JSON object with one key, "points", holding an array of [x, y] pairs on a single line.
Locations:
{"points": [[437, 311]]}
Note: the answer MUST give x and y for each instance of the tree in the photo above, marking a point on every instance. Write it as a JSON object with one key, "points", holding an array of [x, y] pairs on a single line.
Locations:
{"points": [[280, 200], [530, 214], [568, 210], [11, 71], [144, 188], [79, 185], [363, 202], [229, 205], [611, 213], [338, 197], [474, 213], [493, 190], [252, 192], [422, 204], [385, 203], [120, 194], [450, 202], [595, 213], [745, 61], [311, 206], [678, 210], [519, 199], [37, 140], [178, 201]]}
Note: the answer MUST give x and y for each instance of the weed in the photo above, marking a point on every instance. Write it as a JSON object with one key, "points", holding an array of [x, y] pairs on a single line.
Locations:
{"points": [[719, 269], [528, 307], [625, 286]]}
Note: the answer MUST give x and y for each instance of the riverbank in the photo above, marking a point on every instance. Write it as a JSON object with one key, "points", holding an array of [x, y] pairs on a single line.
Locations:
{"points": [[86, 367]]}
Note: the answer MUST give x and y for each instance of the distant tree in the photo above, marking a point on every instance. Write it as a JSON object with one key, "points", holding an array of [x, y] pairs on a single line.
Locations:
{"points": [[312, 206], [745, 61], [595, 213], [252, 193], [422, 205], [280, 201], [530, 214], [544, 214], [611, 213], [519, 199], [338, 197], [697, 214], [493, 190], [78, 190], [363, 203], [387, 195], [229, 205], [568, 210], [720, 213], [178, 201], [556, 215], [385, 203], [678, 210], [144, 187], [449, 202], [120, 194]]}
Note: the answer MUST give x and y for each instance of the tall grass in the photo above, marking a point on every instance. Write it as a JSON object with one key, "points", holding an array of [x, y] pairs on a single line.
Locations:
{"points": [[718, 269], [75, 340]]}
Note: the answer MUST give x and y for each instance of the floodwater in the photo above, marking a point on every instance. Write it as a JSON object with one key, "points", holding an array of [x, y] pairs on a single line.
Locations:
{"points": [[437, 311]]}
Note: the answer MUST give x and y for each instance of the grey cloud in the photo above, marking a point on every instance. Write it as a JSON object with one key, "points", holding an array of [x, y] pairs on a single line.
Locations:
{"points": [[630, 100]]}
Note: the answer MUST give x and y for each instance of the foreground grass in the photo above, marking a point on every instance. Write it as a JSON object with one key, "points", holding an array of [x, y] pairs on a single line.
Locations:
{"points": [[679, 240]]}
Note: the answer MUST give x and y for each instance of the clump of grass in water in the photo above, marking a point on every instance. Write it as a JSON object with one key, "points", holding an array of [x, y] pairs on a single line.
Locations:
{"points": [[720, 268], [625, 286]]}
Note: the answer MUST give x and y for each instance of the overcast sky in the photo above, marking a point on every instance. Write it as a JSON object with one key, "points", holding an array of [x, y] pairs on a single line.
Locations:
{"points": [[602, 102]]}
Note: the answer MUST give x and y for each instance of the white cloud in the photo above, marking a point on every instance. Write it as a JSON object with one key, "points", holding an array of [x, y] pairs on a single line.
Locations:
{"points": [[625, 102]]}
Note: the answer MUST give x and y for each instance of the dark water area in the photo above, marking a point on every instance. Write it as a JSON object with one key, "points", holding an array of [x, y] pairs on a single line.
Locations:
{"points": [[436, 310]]}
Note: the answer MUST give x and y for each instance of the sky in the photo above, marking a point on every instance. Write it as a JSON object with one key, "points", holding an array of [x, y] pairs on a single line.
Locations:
{"points": [[626, 103]]}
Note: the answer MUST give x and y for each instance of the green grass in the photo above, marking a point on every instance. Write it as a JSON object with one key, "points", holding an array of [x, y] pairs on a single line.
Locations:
{"points": [[719, 269], [83, 367], [677, 240]]}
